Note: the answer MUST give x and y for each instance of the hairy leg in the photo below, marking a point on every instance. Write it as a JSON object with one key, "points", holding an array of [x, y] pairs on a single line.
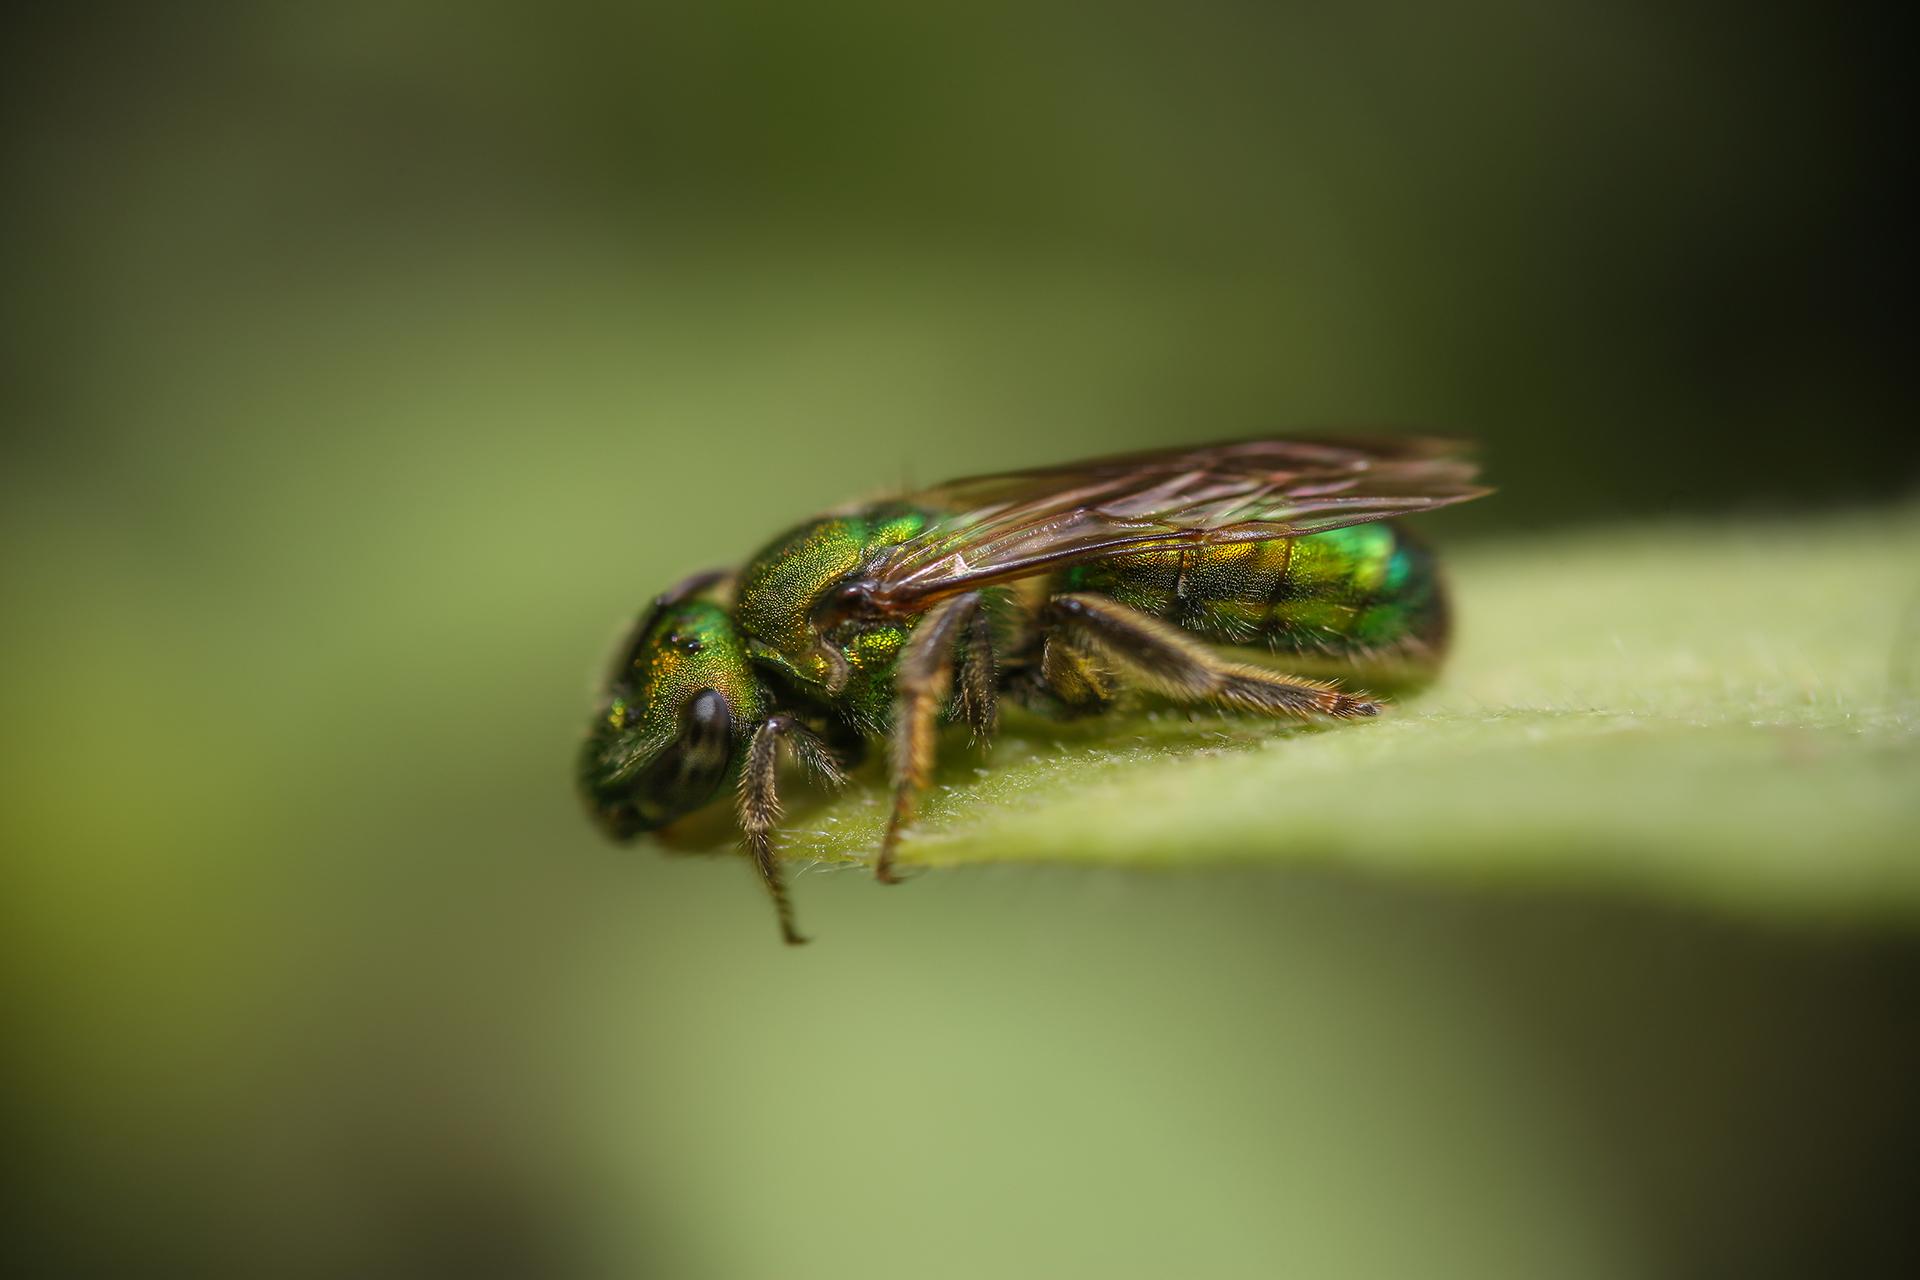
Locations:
{"points": [[760, 800], [978, 701], [1073, 675], [922, 682], [1160, 657]]}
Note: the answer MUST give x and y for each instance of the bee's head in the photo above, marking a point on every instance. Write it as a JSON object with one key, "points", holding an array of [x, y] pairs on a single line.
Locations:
{"points": [[680, 702]]}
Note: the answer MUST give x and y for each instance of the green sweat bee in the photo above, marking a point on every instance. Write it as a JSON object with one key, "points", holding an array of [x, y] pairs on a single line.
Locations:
{"points": [[1250, 577]]}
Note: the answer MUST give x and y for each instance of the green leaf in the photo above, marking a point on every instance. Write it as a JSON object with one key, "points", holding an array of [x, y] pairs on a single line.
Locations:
{"points": [[1723, 713]]}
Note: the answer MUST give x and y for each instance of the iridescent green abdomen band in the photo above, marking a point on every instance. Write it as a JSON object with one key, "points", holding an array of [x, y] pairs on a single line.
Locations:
{"points": [[1364, 591]]}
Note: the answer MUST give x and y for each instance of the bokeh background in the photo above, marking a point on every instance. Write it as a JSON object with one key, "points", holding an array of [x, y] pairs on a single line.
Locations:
{"points": [[366, 364]]}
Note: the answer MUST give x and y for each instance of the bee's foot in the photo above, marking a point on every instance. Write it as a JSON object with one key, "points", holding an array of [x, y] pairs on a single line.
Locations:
{"points": [[1346, 706]]}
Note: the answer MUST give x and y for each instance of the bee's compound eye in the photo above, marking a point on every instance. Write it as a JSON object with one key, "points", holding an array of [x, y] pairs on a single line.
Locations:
{"points": [[708, 718]]}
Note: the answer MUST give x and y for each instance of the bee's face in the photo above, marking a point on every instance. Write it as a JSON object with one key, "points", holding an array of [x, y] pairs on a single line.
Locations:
{"points": [[679, 707]]}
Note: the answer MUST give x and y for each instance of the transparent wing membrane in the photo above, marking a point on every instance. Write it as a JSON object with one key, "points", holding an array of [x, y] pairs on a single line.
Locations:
{"points": [[1019, 523]]}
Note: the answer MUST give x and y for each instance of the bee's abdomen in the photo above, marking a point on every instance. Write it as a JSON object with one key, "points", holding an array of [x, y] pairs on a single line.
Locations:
{"points": [[1369, 589]]}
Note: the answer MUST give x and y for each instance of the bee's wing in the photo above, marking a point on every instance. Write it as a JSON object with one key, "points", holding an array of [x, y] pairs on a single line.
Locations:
{"points": [[1019, 523]]}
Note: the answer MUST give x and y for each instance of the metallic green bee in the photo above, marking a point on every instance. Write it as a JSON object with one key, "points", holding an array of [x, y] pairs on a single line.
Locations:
{"points": [[1062, 589]]}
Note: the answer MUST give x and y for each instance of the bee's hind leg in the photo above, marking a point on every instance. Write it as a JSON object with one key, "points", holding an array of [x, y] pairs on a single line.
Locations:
{"points": [[1161, 658], [922, 683], [759, 801]]}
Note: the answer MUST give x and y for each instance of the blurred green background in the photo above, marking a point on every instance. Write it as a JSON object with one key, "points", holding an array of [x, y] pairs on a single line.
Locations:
{"points": [[366, 365]]}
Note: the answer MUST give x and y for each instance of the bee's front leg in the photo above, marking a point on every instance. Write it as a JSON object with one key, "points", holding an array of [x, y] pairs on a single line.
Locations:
{"points": [[759, 804], [922, 683]]}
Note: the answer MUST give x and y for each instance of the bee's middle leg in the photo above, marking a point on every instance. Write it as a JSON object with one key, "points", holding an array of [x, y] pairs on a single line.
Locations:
{"points": [[922, 683], [978, 700]]}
